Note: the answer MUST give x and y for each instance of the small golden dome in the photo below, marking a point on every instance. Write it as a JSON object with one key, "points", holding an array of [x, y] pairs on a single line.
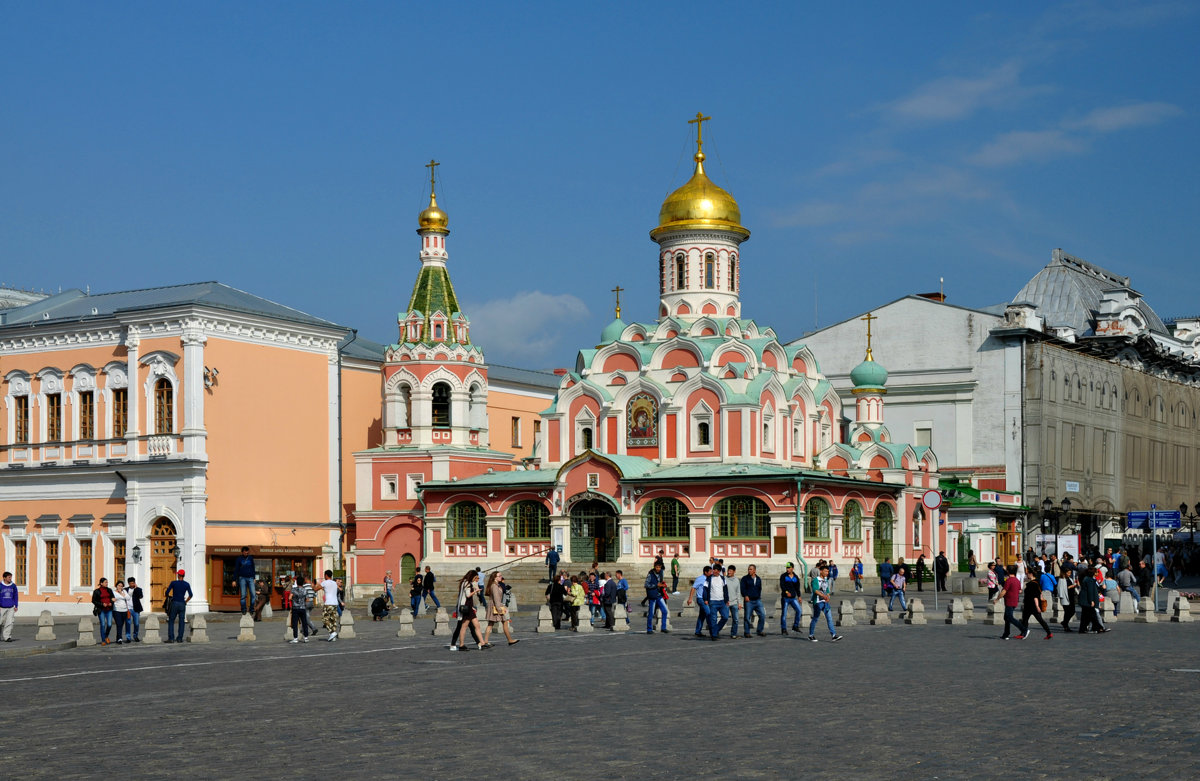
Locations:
{"points": [[432, 217], [700, 204]]}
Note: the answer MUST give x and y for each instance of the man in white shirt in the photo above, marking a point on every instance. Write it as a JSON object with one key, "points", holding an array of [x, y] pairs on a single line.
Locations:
{"points": [[329, 588], [716, 603]]}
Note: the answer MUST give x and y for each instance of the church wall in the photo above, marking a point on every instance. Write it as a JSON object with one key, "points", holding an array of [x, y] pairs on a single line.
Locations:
{"points": [[502, 407]]}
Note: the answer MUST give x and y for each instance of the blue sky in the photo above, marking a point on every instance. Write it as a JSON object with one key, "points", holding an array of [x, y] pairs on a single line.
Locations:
{"points": [[873, 148]]}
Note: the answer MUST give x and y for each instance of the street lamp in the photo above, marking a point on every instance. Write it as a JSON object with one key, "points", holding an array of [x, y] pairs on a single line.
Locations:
{"points": [[1191, 518], [1051, 513]]}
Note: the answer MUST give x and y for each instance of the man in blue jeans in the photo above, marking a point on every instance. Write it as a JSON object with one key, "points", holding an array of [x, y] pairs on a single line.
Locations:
{"points": [[699, 592], [789, 590], [180, 593], [715, 592], [243, 570], [752, 597], [654, 598], [733, 592], [898, 582], [820, 588]]}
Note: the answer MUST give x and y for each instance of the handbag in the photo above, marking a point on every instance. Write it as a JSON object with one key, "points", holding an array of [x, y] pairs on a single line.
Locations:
{"points": [[1042, 605]]}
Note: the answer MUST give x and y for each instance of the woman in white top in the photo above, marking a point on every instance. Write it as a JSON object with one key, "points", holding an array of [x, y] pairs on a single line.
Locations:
{"points": [[122, 605]]}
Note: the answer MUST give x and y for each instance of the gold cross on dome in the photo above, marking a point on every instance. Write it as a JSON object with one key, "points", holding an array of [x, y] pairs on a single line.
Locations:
{"points": [[432, 166], [699, 123], [618, 289], [869, 317]]}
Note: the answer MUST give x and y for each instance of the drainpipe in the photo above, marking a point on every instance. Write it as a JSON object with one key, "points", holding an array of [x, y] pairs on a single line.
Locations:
{"points": [[424, 540], [799, 530], [341, 481]]}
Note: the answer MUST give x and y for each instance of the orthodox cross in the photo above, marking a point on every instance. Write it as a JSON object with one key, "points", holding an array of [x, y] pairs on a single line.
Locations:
{"points": [[618, 290], [432, 166], [699, 123], [869, 317]]}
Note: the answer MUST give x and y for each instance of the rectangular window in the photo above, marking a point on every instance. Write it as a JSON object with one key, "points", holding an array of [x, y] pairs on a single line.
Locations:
{"points": [[924, 437], [118, 558], [51, 562], [21, 421], [516, 432], [85, 562], [164, 407], [53, 417], [20, 562], [411, 481], [120, 412], [87, 415], [537, 427]]}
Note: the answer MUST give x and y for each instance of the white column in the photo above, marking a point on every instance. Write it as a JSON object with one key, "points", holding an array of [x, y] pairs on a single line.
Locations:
{"points": [[194, 433], [335, 412], [132, 341]]}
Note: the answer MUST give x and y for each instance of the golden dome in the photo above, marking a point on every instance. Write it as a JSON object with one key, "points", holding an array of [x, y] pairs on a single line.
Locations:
{"points": [[700, 204], [432, 217]]}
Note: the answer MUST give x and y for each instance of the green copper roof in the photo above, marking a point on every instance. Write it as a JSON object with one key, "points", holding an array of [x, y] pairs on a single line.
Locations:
{"points": [[612, 331], [868, 375], [433, 292]]}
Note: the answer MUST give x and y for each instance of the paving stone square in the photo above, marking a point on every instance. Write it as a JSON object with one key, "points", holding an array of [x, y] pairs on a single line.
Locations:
{"points": [[932, 701]]}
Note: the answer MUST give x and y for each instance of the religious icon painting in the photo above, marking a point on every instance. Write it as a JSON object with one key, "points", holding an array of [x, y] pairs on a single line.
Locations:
{"points": [[641, 420]]}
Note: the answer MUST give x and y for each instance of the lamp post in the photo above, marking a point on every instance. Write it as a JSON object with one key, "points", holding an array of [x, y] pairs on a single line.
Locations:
{"points": [[1050, 513], [1191, 518]]}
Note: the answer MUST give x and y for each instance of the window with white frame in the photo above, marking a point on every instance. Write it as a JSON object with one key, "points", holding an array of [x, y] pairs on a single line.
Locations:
{"points": [[768, 429], [798, 437], [702, 419], [585, 424], [389, 486], [412, 480]]}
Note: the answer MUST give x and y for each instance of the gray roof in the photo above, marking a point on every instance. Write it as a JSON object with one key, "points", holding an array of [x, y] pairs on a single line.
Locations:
{"points": [[78, 305], [541, 379], [1068, 292], [365, 349]]}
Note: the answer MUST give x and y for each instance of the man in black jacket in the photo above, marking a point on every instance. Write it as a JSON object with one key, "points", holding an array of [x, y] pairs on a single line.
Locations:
{"points": [[941, 566], [608, 598], [752, 600], [135, 614]]}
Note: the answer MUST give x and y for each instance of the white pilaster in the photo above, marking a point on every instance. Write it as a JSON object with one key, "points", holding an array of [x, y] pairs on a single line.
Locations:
{"points": [[194, 433]]}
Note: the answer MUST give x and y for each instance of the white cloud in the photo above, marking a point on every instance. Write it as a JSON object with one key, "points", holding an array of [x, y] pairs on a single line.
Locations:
{"points": [[1020, 146], [1108, 120], [954, 97], [1093, 15], [526, 327]]}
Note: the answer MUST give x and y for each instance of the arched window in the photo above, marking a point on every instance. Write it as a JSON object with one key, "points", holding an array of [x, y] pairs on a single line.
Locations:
{"points": [[703, 438], [733, 272], [441, 404], [680, 271], [585, 435], [852, 521], [528, 520], [816, 520], [918, 516], [465, 521], [665, 519], [164, 407], [742, 516], [710, 265]]}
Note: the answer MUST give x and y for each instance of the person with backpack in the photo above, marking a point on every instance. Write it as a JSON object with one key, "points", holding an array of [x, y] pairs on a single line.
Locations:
{"points": [[299, 612], [819, 586]]}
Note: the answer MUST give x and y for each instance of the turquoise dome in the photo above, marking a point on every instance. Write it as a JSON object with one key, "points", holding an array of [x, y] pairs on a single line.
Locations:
{"points": [[869, 374], [612, 332]]}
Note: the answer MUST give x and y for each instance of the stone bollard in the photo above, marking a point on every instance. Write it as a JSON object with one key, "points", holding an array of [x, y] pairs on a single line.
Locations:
{"points": [[1051, 614], [151, 632], [916, 612], [406, 624], [441, 623], [620, 618], [199, 625], [513, 607], [246, 629], [1146, 615], [545, 620], [954, 613], [882, 616], [1128, 607], [45, 630], [846, 615], [1172, 596], [686, 612], [1183, 611], [1108, 611], [861, 614], [968, 610], [87, 633], [346, 630], [267, 611], [995, 614], [287, 628], [584, 624]]}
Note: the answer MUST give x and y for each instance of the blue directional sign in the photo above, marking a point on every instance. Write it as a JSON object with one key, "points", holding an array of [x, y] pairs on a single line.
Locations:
{"points": [[1159, 519]]}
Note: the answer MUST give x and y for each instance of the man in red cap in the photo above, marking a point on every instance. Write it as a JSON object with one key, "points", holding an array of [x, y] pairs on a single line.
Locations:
{"points": [[179, 593]]}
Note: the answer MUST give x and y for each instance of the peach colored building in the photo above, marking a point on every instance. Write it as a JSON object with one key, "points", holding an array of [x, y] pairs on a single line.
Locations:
{"points": [[149, 430]]}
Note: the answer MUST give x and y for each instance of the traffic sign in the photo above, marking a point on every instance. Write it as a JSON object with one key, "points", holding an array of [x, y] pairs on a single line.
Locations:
{"points": [[932, 499]]}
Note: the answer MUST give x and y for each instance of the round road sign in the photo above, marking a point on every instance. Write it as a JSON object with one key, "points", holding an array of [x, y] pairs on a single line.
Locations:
{"points": [[932, 499]]}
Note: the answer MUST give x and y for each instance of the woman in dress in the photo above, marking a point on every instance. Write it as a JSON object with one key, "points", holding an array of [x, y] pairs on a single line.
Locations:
{"points": [[122, 604], [1031, 606], [468, 589], [497, 613]]}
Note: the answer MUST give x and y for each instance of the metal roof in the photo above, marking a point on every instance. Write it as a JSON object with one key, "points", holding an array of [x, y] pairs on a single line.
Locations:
{"points": [[541, 379], [78, 305], [1068, 292]]}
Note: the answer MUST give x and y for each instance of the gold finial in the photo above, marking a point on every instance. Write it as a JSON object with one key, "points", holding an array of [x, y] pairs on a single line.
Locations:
{"points": [[869, 317], [432, 166], [618, 290], [699, 123]]}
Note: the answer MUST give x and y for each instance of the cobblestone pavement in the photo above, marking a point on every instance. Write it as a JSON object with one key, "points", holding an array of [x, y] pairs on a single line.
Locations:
{"points": [[931, 701]]}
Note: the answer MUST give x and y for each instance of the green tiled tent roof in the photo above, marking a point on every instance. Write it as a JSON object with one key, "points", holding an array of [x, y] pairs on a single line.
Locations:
{"points": [[432, 293]]}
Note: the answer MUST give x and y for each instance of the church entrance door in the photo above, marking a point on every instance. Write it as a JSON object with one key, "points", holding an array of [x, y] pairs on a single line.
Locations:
{"points": [[162, 560], [593, 532]]}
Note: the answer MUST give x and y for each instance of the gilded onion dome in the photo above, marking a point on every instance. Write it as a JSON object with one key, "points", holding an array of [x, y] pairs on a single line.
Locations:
{"points": [[700, 204], [432, 217]]}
